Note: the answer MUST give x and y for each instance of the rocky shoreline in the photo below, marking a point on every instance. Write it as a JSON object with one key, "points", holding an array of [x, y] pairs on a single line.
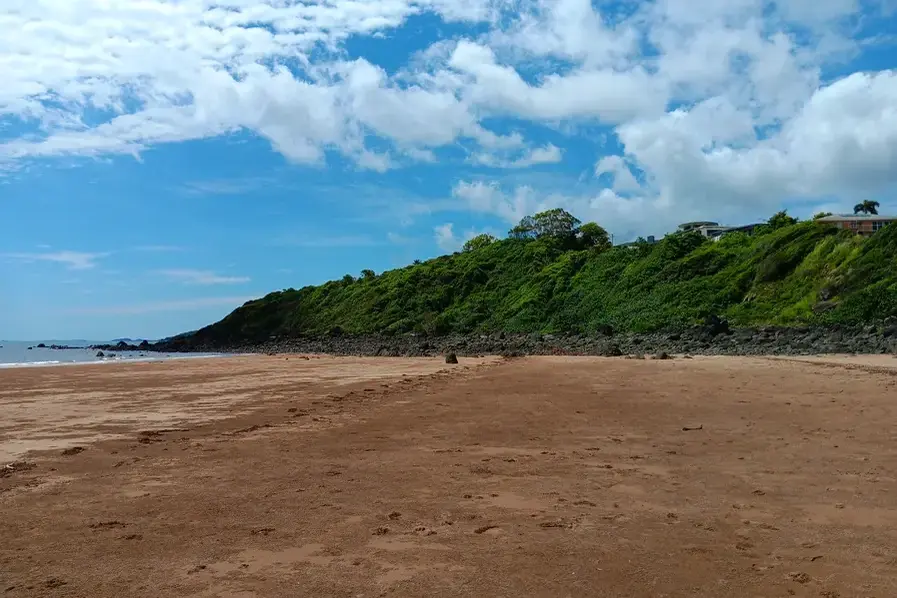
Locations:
{"points": [[713, 338]]}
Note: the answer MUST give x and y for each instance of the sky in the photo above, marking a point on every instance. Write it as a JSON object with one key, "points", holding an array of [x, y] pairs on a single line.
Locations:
{"points": [[163, 161]]}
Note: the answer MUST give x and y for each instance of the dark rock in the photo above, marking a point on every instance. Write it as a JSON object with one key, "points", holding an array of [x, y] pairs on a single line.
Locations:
{"points": [[15, 467], [713, 337], [662, 355], [716, 325], [41, 346], [451, 358], [100, 354], [611, 350]]}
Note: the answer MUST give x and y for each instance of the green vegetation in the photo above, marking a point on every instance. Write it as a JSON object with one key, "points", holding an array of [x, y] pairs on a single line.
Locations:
{"points": [[866, 207], [553, 275]]}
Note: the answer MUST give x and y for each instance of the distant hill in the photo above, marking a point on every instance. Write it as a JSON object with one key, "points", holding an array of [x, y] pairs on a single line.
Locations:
{"points": [[546, 280]]}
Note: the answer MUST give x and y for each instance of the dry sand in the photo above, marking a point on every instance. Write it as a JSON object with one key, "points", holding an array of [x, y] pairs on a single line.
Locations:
{"points": [[268, 476]]}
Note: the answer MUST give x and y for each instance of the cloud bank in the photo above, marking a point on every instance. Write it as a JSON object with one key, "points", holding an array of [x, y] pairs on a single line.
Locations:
{"points": [[735, 106]]}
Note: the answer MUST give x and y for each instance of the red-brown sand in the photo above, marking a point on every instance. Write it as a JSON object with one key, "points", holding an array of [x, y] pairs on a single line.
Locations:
{"points": [[285, 476]]}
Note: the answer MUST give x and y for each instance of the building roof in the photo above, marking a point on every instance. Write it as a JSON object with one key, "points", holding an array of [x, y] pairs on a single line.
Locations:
{"points": [[698, 223], [856, 217]]}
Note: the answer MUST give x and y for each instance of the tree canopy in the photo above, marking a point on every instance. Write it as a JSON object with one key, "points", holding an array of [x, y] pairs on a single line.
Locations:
{"points": [[593, 236], [775, 275], [556, 223], [866, 207], [780, 219], [478, 242]]}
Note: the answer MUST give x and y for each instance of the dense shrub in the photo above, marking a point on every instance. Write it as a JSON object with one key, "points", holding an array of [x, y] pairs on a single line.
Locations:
{"points": [[548, 285]]}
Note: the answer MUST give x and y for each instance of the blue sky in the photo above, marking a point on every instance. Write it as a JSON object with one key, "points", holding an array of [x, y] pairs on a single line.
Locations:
{"points": [[161, 163]]}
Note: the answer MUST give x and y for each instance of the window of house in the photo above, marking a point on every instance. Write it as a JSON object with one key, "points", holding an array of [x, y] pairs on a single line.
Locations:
{"points": [[877, 225], [854, 224]]}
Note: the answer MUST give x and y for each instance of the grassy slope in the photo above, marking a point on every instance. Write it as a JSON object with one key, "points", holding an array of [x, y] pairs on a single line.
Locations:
{"points": [[770, 278]]}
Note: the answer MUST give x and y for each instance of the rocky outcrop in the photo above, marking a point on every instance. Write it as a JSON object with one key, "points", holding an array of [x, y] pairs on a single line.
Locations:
{"points": [[713, 337]]}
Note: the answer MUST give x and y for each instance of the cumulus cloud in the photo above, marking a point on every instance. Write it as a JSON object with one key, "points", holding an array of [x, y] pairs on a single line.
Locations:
{"points": [[621, 175], [445, 237], [705, 103], [843, 140]]}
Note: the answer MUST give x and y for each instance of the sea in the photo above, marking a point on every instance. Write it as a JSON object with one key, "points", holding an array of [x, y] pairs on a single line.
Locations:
{"points": [[15, 354]]}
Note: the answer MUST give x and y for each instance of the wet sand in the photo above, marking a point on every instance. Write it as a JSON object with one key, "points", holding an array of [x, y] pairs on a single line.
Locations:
{"points": [[552, 476]]}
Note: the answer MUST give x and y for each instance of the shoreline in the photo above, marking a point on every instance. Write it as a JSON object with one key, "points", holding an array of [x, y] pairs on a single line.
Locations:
{"points": [[147, 359]]}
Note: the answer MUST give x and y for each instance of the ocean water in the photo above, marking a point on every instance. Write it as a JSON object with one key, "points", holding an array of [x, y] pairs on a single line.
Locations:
{"points": [[18, 354]]}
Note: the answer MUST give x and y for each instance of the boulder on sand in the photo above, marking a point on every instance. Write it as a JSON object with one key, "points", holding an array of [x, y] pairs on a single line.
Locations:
{"points": [[451, 358]]}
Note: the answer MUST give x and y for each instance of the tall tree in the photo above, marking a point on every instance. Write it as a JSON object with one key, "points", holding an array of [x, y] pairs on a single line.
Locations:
{"points": [[591, 235], [780, 219], [557, 223], [866, 207], [479, 242]]}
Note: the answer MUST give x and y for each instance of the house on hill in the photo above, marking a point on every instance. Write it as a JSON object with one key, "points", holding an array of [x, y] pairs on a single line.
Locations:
{"points": [[861, 224]]}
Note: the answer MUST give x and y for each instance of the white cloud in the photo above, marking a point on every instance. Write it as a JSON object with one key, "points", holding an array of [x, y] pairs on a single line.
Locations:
{"points": [[843, 140], [237, 186], [200, 277], [547, 154], [450, 241], [621, 174], [445, 237], [716, 104], [74, 260], [608, 94], [488, 198]]}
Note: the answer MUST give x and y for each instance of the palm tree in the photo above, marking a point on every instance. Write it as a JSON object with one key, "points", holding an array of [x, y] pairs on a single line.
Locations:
{"points": [[866, 207]]}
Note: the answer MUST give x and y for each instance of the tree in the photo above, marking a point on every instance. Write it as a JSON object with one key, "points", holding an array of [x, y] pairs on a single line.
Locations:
{"points": [[525, 229], [557, 223], [821, 215], [478, 242], [348, 279], [866, 207], [366, 273], [592, 235], [780, 219]]}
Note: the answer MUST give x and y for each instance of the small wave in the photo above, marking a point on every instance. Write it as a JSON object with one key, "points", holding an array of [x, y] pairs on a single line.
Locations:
{"points": [[27, 364], [110, 360]]}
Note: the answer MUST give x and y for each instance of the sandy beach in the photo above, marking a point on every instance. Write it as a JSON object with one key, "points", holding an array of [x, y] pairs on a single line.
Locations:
{"points": [[553, 476]]}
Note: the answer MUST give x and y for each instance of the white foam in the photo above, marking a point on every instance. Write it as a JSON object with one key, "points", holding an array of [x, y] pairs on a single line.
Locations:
{"points": [[28, 364], [101, 361]]}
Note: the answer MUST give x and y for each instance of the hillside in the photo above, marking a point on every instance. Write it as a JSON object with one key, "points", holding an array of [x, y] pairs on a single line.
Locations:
{"points": [[548, 281]]}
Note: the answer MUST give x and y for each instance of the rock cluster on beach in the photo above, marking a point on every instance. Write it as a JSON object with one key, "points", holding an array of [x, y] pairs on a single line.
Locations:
{"points": [[714, 337]]}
